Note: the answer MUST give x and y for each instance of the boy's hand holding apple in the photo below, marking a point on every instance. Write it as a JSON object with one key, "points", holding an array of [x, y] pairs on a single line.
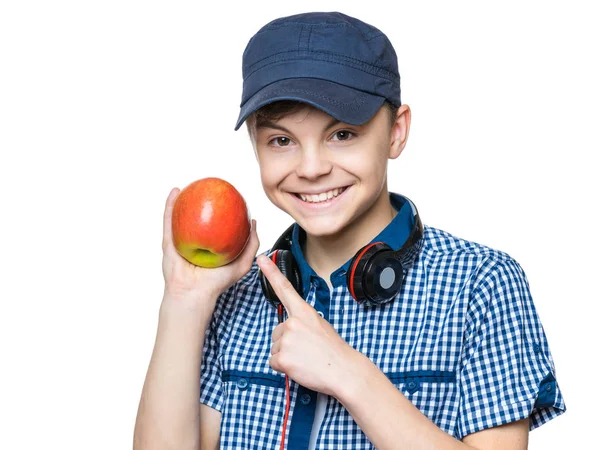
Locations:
{"points": [[209, 223]]}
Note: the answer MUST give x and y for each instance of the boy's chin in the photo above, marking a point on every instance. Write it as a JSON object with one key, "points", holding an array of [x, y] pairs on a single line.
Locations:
{"points": [[320, 227]]}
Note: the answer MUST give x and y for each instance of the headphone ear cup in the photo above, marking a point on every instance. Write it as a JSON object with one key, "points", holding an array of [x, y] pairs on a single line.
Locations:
{"points": [[354, 276], [375, 276], [288, 266], [384, 275]]}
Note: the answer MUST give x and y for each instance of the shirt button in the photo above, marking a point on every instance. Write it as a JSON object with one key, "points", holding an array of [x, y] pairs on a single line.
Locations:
{"points": [[411, 385], [242, 383], [537, 348], [321, 313], [549, 387], [305, 399]]}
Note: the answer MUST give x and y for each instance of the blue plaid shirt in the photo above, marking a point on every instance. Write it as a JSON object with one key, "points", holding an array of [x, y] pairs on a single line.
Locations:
{"points": [[462, 341]]}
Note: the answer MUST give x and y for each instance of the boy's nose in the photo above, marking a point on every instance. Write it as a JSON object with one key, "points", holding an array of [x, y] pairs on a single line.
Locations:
{"points": [[313, 163]]}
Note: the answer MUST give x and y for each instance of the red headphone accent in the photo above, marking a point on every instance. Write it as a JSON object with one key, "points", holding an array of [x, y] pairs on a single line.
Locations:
{"points": [[274, 256], [355, 263]]}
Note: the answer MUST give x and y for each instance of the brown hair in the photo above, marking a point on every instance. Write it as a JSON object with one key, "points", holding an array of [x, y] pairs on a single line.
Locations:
{"points": [[275, 111]]}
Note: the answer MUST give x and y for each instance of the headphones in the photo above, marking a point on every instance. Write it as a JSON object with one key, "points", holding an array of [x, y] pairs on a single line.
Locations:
{"points": [[375, 273]]}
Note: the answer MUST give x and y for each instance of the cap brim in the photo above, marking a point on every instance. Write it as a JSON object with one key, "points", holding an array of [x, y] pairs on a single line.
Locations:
{"points": [[348, 105]]}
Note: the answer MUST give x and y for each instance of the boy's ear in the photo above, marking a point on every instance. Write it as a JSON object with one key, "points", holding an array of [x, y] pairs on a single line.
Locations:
{"points": [[399, 132]]}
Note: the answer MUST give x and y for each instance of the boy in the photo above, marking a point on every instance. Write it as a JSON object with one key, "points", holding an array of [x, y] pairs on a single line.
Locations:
{"points": [[398, 335]]}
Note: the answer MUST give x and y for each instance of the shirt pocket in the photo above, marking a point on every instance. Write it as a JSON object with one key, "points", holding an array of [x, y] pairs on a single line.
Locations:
{"points": [[253, 409], [433, 392]]}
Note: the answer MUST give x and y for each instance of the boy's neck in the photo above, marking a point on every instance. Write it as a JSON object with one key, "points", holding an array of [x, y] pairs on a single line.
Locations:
{"points": [[325, 254]]}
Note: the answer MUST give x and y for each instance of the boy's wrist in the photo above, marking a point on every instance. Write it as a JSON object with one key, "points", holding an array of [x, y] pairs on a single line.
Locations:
{"points": [[191, 310], [351, 381], [187, 296]]}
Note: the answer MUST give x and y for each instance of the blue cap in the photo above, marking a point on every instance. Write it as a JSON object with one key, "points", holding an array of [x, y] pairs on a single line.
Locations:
{"points": [[332, 61]]}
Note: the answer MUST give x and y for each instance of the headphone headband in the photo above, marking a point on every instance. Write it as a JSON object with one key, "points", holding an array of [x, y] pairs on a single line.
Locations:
{"points": [[414, 243], [285, 240]]}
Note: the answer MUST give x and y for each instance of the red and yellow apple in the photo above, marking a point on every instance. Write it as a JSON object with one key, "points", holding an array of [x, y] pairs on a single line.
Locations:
{"points": [[211, 223]]}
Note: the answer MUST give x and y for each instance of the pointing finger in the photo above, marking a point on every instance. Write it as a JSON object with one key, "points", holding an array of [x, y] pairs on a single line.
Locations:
{"points": [[281, 285]]}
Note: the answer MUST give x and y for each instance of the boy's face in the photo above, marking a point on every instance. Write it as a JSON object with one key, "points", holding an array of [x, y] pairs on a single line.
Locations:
{"points": [[309, 154]]}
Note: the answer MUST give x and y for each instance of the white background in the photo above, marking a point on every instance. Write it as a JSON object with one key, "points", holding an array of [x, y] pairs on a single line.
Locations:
{"points": [[105, 106]]}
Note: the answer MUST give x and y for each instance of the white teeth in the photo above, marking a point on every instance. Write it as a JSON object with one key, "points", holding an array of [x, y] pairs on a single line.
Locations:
{"points": [[317, 198]]}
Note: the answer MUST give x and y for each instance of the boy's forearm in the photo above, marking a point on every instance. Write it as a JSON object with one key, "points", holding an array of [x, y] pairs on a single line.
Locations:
{"points": [[168, 413], [384, 414]]}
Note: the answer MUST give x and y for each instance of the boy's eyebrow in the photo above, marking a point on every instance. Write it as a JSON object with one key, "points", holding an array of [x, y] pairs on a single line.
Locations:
{"points": [[268, 124]]}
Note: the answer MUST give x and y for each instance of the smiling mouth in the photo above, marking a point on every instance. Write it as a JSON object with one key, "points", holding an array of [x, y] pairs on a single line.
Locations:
{"points": [[322, 197]]}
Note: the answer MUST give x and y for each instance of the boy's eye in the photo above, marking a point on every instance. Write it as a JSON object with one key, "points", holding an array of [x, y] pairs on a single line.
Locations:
{"points": [[343, 135], [281, 141]]}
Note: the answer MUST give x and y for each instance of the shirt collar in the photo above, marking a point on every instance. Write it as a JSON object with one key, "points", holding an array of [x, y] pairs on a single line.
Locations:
{"points": [[394, 235]]}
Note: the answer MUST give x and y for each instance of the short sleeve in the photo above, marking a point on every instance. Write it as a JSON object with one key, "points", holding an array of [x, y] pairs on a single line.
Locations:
{"points": [[211, 385], [506, 372]]}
